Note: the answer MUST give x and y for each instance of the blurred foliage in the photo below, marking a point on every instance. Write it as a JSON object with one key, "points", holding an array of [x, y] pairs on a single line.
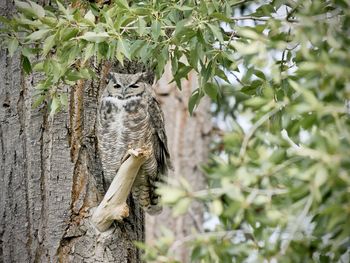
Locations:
{"points": [[279, 181], [279, 74]]}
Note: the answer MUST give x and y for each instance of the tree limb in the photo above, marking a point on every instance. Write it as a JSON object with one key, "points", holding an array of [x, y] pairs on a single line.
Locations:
{"points": [[113, 206]]}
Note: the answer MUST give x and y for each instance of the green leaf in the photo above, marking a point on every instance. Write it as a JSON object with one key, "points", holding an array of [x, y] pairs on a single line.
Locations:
{"points": [[122, 3], [25, 8], [136, 47], [193, 101], [38, 35], [211, 90], [89, 51], [170, 194], [216, 32], [216, 207], [68, 33], [103, 49], [38, 9], [73, 75], [50, 21], [221, 17], [62, 8], [180, 27], [221, 74], [38, 101], [248, 32], [155, 28], [55, 105], [123, 47], [255, 102], [12, 46], [26, 65], [183, 7], [64, 99], [48, 44], [90, 17], [95, 37], [259, 74], [181, 206], [141, 26], [39, 66]]}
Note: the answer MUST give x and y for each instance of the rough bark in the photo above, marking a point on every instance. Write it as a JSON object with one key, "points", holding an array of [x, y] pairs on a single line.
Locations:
{"points": [[50, 177], [188, 139]]}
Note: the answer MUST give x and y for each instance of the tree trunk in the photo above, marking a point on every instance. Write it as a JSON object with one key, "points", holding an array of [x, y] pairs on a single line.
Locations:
{"points": [[51, 177], [188, 139]]}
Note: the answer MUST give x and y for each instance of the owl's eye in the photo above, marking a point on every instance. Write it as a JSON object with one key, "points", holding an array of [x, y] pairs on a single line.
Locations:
{"points": [[134, 86], [116, 86]]}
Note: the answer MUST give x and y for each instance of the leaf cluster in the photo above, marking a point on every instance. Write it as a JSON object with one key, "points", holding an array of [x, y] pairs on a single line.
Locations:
{"points": [[279, 175], [189, 34]]}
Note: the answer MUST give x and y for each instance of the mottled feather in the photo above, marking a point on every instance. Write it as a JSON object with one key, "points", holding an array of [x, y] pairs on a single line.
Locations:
{"points": [[130, 117]]}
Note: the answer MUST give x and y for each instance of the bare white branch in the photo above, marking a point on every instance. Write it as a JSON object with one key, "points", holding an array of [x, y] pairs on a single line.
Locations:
{"points": [[113, 206]]}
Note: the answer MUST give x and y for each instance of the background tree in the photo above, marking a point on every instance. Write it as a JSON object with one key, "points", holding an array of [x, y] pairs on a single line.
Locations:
{"points": [[188, 138], [279, 73]]}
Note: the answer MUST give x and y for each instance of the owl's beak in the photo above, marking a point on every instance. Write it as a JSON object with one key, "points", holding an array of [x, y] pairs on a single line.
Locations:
{"points": [[123, 91]]}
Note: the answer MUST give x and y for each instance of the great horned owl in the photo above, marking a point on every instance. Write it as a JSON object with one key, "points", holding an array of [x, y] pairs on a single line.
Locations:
{"points": [[130, 117]]}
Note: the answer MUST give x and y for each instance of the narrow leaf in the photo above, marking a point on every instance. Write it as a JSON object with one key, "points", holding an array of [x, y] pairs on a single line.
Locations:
{"points": [[141, 26], [216, 32], [38, 101], [38, 9], [27, 67], [123, 47], [62, 8], [55, 104], [211, 90], [155, 29], [64, 99], [89, 51], [38, 34], [48, 44], [193, 101], [95, 37], [12, 46], [90, 17]]}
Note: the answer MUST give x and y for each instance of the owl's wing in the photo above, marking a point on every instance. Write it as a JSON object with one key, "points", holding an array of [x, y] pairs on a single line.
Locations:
{"points": [[160, 144]]}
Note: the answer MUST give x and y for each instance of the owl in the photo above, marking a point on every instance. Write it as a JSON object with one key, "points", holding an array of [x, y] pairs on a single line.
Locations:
{"points": [[130, 116]]}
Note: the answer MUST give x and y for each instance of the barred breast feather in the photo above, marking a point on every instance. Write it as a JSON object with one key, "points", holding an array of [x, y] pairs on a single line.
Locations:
{"points": [[134, 122]]}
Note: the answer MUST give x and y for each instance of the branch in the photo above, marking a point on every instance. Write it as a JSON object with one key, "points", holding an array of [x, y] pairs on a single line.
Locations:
{"points": [[266, 18], [113, 206], [208, 235]]}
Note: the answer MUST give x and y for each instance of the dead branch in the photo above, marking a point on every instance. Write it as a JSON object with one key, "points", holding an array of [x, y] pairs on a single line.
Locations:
{"points": [[113, 206]]}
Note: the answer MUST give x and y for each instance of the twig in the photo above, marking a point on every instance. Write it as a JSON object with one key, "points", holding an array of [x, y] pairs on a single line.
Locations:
{"points": [[263, 19], [218, 234], [221, 191], [237, 79]]}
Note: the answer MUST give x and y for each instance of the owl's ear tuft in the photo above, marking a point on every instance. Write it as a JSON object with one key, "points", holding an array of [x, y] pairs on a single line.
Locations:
{"points": [[147, 76], [109, 76]]}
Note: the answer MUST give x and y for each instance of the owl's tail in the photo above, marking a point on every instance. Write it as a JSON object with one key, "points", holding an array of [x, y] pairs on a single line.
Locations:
{"points": [[145, 193]]}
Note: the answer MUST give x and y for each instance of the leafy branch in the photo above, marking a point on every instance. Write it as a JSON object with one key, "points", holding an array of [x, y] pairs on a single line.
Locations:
{"points": [[152, 33]]}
